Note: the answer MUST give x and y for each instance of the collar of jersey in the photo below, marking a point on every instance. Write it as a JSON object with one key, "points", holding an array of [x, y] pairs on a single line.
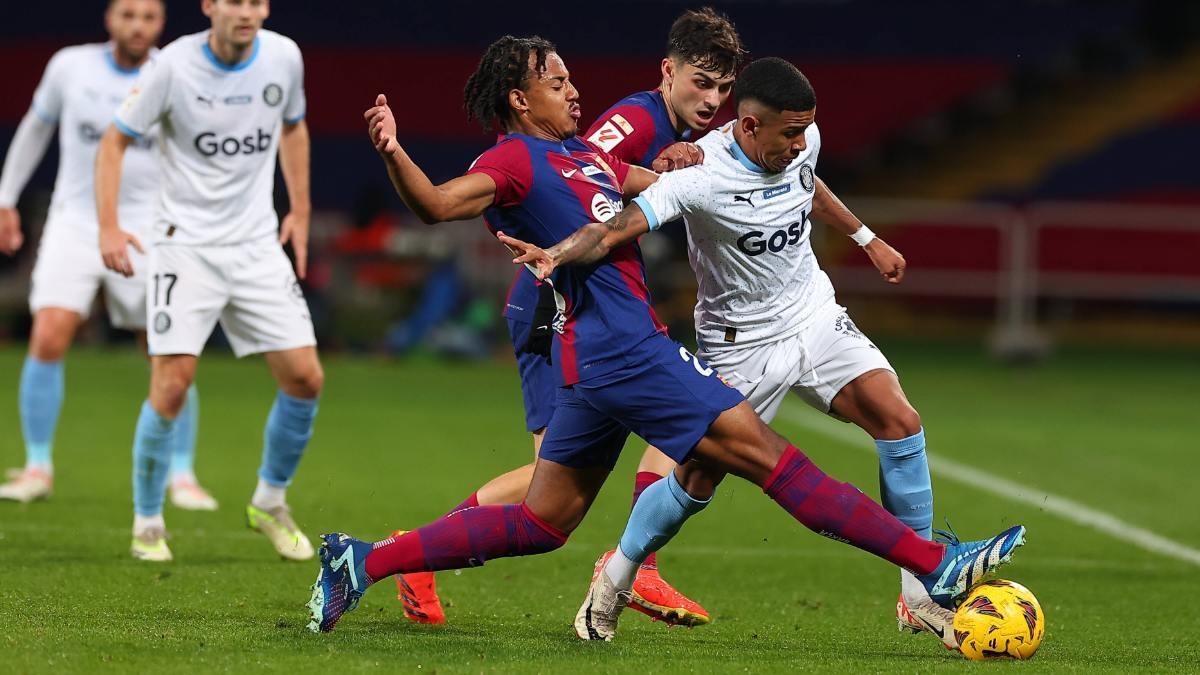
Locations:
{"points": [[558, 145], [112, 62], [741, 157], [208, 52]]}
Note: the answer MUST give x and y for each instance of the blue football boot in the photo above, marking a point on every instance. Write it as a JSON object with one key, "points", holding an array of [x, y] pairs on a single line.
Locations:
{"points": [[341, 581], [966, 563]]}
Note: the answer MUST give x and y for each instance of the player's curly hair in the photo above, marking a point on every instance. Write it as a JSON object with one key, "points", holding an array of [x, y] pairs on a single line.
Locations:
{"points": [[504, 67], [775, 83], [707, 39]]}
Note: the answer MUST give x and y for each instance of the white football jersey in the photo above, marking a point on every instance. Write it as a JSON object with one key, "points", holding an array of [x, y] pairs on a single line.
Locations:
{"points": [[81, 89], [220, 134], [748, 241]]}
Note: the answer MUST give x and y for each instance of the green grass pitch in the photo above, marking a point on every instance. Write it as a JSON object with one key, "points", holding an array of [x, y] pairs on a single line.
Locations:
{"points": [[398, 443]]}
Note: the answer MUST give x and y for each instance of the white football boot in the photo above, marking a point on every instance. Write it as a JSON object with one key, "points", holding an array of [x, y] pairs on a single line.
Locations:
{"points": [[917, 612], [597, 616], [188, 495], [26, 485], [277, 525], [151, 545]]}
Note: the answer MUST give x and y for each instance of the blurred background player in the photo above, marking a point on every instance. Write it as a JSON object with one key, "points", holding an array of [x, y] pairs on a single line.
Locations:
{"points": [[79, 91], [703, 54], [227, 99]]}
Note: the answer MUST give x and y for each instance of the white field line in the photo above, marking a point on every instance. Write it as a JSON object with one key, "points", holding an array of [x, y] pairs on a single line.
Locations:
{"points": [[807, 418]]}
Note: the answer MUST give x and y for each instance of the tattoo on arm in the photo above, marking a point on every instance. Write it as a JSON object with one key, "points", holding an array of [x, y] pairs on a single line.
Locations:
{"points": [[590, 242]]}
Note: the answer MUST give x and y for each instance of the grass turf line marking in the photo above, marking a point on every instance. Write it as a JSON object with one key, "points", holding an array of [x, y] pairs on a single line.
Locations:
{"points": [[1067, 509]]}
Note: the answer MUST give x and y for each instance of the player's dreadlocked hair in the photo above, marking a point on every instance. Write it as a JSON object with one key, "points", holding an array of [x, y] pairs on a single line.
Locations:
{"points": [[504, 67], [706, 39], [776, 84]]}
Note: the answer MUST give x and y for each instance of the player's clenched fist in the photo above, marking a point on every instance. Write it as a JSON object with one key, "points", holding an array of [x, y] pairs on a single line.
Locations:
{"points": [[887, 260], [381, 125], [114, 248], [677, 156]]}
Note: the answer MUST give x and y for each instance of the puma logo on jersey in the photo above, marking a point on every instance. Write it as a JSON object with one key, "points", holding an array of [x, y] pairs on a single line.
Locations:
{"points": [[740, 198]]}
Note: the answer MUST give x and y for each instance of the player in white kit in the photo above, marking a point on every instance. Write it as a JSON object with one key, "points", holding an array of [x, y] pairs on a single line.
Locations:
{"points": [[227, 100], [766, 316], [81, 88]]}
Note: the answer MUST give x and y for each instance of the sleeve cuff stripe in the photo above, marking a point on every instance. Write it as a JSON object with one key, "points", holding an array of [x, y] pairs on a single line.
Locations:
{"points": [[294, 120], [644, 205], [123, 128]]}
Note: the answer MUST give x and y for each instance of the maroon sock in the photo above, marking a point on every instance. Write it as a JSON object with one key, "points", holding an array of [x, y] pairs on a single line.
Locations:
{"points": [[643, 480], [468, 503], [841, 511], [467, 538]]}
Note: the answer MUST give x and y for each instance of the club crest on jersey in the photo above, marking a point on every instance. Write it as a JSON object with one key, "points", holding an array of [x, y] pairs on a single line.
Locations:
{"points": [[806, 178], [272, 94], [162, 322], [603, 208]]}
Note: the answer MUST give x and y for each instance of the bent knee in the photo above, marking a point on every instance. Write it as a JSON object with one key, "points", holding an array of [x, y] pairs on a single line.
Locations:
{"points": [[901, 423], [541, 535], [51, 338], [306, 383]]}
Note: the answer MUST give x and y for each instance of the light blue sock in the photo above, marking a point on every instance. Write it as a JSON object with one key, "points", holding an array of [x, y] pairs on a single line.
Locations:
{"points": [[289, 426], [657, 516], [151, 460], [904, 483], [41, 398], [183, 443]]}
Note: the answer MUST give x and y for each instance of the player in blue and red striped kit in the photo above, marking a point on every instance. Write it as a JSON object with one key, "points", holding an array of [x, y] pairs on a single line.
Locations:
{"points": [[703, 53], [619, 373]]}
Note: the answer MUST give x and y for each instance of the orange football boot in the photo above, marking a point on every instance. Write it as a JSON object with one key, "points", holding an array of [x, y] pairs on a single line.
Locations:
{"points": [[418, 594], [657, 599]]}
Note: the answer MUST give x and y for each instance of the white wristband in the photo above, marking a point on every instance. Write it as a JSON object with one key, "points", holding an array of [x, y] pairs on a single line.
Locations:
{"points": [[863, 236]]}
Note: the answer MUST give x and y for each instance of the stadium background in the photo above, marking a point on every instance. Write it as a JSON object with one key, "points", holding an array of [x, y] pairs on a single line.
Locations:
{"points": [[1032, 159]]}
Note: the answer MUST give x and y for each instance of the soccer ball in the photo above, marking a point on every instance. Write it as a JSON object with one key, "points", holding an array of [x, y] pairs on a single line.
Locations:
{"points": [[999, 619]]}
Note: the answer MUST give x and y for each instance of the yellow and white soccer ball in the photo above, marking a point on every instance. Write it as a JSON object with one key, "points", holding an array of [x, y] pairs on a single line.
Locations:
{"points": [[999, 619]]}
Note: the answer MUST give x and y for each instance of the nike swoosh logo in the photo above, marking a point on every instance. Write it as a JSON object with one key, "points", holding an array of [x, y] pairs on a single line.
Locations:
{"points": [[347, 559], [568, 174], [940, 632]]}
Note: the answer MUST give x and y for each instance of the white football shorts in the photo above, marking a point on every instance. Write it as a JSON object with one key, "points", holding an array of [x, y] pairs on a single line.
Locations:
{"points": [[69, 271], [250, 288], [815, 363]]}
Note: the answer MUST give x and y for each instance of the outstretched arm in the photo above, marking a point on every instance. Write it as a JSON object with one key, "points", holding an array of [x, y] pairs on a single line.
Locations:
{"points": [[462, 198], [586, 245], [830, 210]]}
